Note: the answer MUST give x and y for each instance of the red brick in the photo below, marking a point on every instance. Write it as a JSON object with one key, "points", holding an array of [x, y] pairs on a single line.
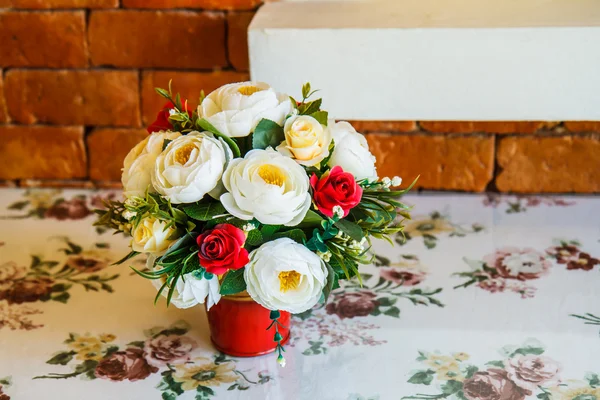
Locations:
{"points": [[52, 4], [583, 126], [93, 97], [485, 126], [237, 39], [41, 152], [107, 148], [549, 164], [3, 113], [43, 39], [384, 126], [178, 39], [188, 84], [206, 4], [452, 163]]}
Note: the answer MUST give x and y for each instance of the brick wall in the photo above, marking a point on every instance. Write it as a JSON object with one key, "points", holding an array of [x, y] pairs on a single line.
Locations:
{"points": [[76, 91]]}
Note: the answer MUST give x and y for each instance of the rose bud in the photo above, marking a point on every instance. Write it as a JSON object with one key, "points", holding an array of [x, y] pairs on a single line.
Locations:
{"points": [[162, 122], [222, 249], [336, 188]]}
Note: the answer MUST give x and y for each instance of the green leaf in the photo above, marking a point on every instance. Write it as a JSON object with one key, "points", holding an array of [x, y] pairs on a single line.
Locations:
{"points": [[305, 89], [312, 107], [254, 238], [233, 283], [207, 126], [321, 116], [205, 211], [498, 363], [62, 298], [452, 387], [351, 229], [311, 220], [166, 143], [392, 312], [331, 280], [60, 287], [137, 343], [127, 257], [297, 235], [470, 371], [19, 205], [62, 358], [422, 377], [528, 350], [163, 93], [267, 134], [268, 231], [593, 379], [387, 301]]}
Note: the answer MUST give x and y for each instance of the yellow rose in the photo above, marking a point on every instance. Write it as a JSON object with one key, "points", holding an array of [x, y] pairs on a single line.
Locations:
{"points": [[306, 140], [152, 236]]}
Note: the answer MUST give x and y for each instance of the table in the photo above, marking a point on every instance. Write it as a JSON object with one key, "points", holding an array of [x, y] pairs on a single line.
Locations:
{"points": [[491, 297]]}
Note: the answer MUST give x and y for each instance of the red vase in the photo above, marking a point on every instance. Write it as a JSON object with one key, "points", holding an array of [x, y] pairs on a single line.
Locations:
{"points": [[238, 327]]}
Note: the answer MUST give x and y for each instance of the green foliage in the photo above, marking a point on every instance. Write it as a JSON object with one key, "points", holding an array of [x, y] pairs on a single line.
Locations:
{"points": [[62, 358], [267, 134], [205, 211], [204, 125], [351, 229], [422, 377], [296, 235], [321, 116], [233, 282], [180, 259]]}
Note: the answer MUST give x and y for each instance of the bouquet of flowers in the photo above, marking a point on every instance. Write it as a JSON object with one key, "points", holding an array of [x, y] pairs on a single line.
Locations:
{"points": [[253, 192]]}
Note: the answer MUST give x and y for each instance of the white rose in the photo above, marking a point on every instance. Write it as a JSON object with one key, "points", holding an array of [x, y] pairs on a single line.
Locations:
{"points": [[139, 163], [190, 289], [351, 151], [151, 235], [285, 275], [306, 140], [237, 108], [267, 186], [190, 167]]}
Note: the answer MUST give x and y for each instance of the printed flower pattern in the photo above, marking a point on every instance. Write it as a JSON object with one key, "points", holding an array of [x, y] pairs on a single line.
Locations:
{"points": [[520, 204], [432, 227], [570, 253], [50, 204], [523, 371], [5, 383], [165, 350], [340, 321], [507, 269], [50, 280]]}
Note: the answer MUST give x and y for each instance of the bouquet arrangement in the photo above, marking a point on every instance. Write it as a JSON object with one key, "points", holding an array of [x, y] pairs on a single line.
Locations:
{"points": [[254, 191]]}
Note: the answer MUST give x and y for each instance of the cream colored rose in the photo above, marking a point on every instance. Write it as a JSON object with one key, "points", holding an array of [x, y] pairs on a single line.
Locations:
{"points": [[191, 289], [190, 167], [237, 108], [267, 186], [306, 140], [139, 163], [151, 235], [285, 275], [351, 151]]}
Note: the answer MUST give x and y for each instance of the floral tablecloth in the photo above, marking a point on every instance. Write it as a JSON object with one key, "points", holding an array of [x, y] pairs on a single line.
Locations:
{"points": [[490, 298]]}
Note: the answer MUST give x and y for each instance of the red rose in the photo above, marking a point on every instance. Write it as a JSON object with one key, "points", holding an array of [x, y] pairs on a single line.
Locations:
{"points": [[162, 119], [222, 249], [336, 188]]}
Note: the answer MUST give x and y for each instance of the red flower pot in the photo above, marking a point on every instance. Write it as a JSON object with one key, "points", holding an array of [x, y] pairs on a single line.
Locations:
{"points": [[238, 327]]}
